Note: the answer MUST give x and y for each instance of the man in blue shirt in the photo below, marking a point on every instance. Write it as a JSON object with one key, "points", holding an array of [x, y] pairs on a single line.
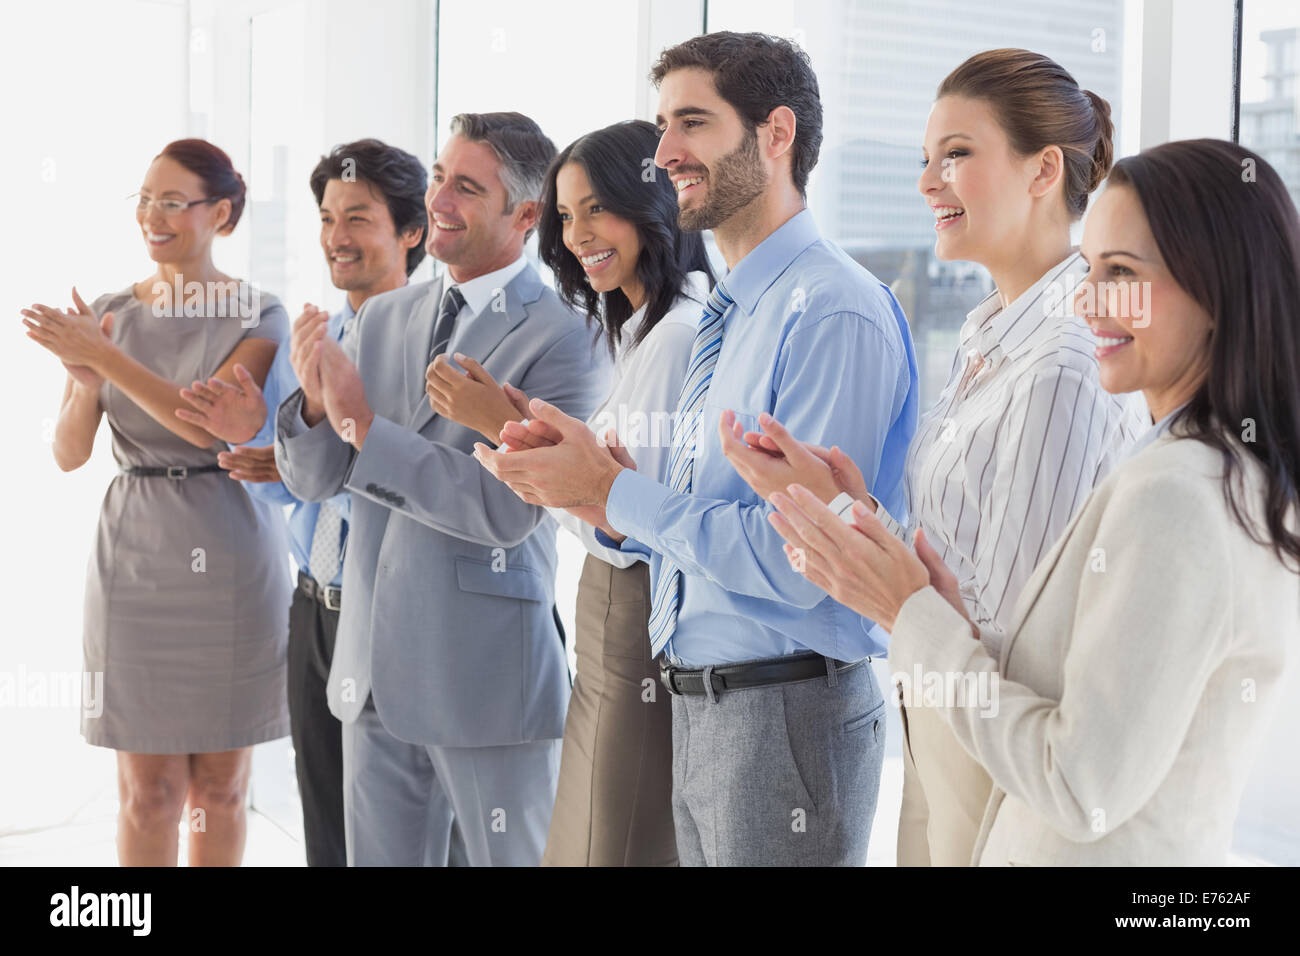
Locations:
{"points": [[373, 225], [778, 723]]}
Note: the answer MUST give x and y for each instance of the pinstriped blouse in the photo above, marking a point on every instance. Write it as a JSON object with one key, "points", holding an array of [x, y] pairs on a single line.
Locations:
{"points": [[1016, 441]]}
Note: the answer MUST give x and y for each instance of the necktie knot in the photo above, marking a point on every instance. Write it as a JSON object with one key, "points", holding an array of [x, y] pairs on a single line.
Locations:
{"points": [[452, 302], [718, 303]]}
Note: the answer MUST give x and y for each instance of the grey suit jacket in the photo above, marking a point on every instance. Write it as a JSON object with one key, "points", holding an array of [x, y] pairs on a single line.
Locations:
{"points": [[1145, 656], [449, 577]]}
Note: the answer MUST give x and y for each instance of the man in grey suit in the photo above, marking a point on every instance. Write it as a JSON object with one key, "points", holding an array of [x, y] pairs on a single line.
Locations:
{"points": [[449, 673]]}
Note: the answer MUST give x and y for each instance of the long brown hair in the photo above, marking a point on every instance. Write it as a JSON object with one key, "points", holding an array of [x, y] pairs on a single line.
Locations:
{"points": [[1038, 103], [1230, 236], [614, 159]]}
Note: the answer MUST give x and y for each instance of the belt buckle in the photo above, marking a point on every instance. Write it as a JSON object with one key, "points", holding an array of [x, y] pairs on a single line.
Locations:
{"points": [[333, 597], [721, 684], [177, 471], [666, 677]]}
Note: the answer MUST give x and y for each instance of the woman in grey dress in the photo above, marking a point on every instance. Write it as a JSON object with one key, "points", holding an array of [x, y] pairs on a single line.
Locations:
{"points": [[187, 587]]}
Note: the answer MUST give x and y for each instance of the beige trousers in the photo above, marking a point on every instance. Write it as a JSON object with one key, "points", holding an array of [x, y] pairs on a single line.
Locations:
{"points": [[945, 791], [613, 803]]}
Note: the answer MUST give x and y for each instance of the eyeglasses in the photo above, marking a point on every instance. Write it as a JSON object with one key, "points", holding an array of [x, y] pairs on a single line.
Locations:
{"points": [[169, 207]]}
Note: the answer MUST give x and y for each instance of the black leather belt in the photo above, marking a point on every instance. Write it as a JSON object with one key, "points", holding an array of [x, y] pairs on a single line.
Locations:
{"points": [[776, 670], [328, 595], [169, 471]]}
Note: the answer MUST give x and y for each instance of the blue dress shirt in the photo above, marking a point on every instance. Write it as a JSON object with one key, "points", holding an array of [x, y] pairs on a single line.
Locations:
{"points": [[281, 382], [818, 342]]}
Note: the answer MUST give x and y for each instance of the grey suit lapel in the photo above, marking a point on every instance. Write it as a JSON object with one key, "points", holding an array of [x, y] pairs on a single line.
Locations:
{"points": [[416, 342], [483, 333]]}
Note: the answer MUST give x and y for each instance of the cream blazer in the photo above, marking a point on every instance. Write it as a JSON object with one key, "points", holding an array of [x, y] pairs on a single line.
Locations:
{"points": [[1137, 679]]}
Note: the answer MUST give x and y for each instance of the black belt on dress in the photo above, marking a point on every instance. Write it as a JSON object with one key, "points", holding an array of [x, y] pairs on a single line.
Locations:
{"points": [[328, 595], [776, 670], [169, 471]]}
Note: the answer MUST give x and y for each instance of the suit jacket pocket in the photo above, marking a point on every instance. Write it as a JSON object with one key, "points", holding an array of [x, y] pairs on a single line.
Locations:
{"points": [[523, 584]]}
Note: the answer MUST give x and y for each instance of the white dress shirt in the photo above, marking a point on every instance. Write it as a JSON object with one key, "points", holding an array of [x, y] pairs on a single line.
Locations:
{"points": [[1018, 438], [481, 290], [647, 385]]}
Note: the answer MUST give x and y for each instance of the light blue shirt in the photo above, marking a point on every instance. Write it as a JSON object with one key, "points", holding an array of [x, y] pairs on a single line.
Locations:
{"points": [[281, 382], [817, 341]]}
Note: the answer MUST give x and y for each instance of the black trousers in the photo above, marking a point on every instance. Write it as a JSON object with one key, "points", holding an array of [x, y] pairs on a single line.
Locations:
{"points": [[317, 734]]}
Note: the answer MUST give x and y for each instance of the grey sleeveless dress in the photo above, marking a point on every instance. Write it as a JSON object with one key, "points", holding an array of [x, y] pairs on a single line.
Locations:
{"points": [[187, 588]]}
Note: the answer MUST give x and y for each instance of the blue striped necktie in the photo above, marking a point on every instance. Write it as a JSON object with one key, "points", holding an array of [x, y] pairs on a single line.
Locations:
{"points": [[681, 459]]}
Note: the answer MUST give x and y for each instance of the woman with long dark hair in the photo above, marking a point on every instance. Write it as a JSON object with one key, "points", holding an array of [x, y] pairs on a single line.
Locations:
{"points": [[608, 231], [1146, 652], [187, 590]]}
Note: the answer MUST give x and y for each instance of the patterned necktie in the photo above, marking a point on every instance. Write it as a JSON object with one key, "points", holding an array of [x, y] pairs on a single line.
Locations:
{"points": [[681, 459], [349, 331], [326, 540], [323, 562], [452, 303]]}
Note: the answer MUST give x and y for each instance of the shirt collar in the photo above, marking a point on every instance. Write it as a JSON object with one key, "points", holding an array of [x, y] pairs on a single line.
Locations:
{"points": [[695, 288], [1157, 430], [754, 274], [989, 328], [346, 313], [479, 290]]}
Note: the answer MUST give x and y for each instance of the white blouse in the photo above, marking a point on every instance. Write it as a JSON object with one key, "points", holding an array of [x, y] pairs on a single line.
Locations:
{"points": [[647, 385], [1018, 438]]}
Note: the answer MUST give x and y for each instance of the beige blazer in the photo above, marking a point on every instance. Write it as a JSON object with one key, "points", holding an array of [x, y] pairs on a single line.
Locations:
{"points": [[1137, 679]]}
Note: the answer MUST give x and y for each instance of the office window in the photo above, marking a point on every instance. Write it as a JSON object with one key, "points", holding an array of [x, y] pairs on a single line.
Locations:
{"points": [[82, 125], [568, 69], [878, 80], [1270, 109], [1270, 124]]}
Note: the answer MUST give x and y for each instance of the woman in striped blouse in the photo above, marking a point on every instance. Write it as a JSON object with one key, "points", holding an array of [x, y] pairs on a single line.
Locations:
{"points": [[1022, 431]]}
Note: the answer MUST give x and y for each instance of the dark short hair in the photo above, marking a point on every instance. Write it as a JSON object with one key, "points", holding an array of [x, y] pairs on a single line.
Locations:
{"points": [[756, 73], [523, 150], [399, 177], [1229, 233], [1038, 103], [615, 159], [211, 164]]}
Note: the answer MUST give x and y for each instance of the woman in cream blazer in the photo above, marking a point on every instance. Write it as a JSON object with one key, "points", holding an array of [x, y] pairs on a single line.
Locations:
{"points": [[1120, 715], [1138, 676]]}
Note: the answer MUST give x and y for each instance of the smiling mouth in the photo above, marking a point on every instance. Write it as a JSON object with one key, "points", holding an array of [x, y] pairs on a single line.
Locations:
{"points": [[1107, 344], [344, 259], [596, 259], [158, 238], [447, 226], [687, 183], [947, 215]]}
